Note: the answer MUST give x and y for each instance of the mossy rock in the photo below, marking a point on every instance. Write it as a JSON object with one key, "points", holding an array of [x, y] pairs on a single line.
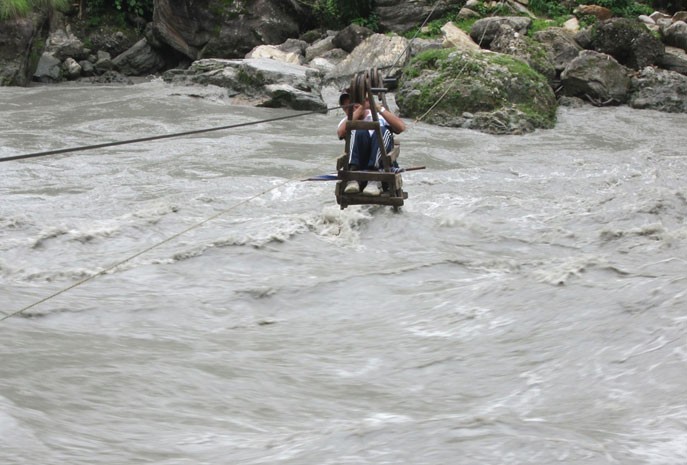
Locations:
{"points": [[486, 91]]}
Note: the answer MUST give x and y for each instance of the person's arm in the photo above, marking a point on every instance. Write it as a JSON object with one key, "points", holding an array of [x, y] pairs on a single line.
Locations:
{"points": [[358, 113], [396, 124]]}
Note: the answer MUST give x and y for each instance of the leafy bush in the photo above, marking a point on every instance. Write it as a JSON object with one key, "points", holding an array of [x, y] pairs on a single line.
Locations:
{"points": [[142, 8], [549, 9], [19, 8], [340, 13], [13, 8]]}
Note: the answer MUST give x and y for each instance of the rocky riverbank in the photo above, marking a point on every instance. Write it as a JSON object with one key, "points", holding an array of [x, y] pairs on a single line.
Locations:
{"points": [[498, 78]]}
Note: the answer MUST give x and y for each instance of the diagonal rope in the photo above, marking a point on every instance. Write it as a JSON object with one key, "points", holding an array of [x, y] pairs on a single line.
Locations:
{"points": [[211, 218], [417, 32], [148, 249], [159, 137], [455, 79]]}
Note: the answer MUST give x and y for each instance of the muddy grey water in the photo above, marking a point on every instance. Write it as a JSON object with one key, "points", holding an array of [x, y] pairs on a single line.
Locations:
{"points": [[527, 306]]}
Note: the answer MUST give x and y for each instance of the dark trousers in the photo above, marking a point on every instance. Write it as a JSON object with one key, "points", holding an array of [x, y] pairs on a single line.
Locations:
{"points": [[365, 153]]}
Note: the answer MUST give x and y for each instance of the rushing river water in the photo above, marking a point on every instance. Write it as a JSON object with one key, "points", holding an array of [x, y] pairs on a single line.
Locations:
{"points": [[528, 305]]}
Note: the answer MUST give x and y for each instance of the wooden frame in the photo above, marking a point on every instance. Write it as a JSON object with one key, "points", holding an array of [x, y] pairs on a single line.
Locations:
{"points": [[362, 89]]}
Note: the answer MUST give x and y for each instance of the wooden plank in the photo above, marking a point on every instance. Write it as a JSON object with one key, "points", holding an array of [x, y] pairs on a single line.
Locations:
{"points": [[358, 199], [391, 178], [360, 124], [342, 162]]}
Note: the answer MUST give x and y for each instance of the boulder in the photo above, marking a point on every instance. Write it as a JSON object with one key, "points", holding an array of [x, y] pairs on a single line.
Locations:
{"points": [[659, 90], [560, 44], [486, 91], [87, 68], [21, 45], [676, 35], [599, 12], [111, 40], [596, 77], [139, 60], [468, 13], [485, 30], [49, 69], [510, 42], [388, 52], [63, 44], [217, 28], [103, 62], [319, 48], [71, 68], [256, 81], [675, 59], [572, 25], [419, 45], [291, 51], [350, 37], [455, 37], [273, 52], [400, 17], [627, 41]]}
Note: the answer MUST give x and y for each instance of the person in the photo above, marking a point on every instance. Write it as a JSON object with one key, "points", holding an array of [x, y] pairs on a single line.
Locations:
{"points": [[365, 152]]}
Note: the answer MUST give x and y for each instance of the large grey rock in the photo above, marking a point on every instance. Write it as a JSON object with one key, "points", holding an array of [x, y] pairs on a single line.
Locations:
{"points": [[49, 69], [273, 52], [485, 30], [676, 35], [455, 37], [71, 68], [111, 40], [217, 28], [596, 77], [560, 45], [319, 48], [659, 90], [675, 59], [257, 81], [103, 63], [63, 44], [512, 43], [405, 16], [627, 41], [388, 52], [486, 91], [139, 60], [20, 40], [350, 37]]}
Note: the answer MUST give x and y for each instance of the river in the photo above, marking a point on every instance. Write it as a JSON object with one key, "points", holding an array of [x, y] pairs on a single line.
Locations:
{"points": [[528, 304]]}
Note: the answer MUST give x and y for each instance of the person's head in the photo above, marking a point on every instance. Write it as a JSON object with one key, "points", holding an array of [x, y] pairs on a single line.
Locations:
{"points": [[344, 98]]}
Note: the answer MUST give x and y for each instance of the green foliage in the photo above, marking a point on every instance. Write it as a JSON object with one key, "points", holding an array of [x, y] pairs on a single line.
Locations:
{"points": [[61, 5], [556, 9], [549, 9], [20, 8], [492, 9], [340, 13], [587, 21], [14, 8], [541, 24], [142, 8], [371, 22]]}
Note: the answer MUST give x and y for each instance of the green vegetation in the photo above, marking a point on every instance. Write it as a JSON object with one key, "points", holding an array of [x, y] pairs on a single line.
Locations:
{"points": [[550, 13], [488, 83], [20, 8], [337, 14], [95, 12]]}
